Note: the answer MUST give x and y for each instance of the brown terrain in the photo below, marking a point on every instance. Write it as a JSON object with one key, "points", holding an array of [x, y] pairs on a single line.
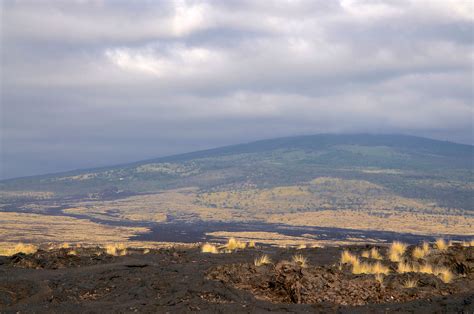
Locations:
{"points": [[366, 278]]}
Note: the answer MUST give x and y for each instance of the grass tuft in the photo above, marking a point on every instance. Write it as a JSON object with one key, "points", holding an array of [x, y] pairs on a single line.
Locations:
{"points": [[366, 268], [365, 254], [262, 260], [375, 254], [396, 250], [348, 258], [116, 249], [441, 244], [444, 274], [209, 248], [233, 244], [421, 252], [405, 268], [300, 260], [251, 244], [379, 278], [410, 283]]}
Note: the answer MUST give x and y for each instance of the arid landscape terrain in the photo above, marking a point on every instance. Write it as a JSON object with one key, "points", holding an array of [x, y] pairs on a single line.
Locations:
{"points": [[297, 224]]}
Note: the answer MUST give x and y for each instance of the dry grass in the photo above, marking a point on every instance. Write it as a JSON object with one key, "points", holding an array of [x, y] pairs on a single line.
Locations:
{"points": [[301, 247], [396, 250], [366, 268], [379, 278], [251, 244], [375, 254], [146, 251], [426, 269], [405, 268], [116, 249], [19, 248], [262, 260], [410, 283], [441, 244], [348, 258], [209, 248], [421, 252], [234, 244], [72, 253], [444, 274], [300, 260], [365, 254]]}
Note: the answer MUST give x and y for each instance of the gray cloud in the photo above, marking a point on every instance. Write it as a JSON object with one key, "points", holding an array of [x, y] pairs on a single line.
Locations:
{"points": [[89, 83]]}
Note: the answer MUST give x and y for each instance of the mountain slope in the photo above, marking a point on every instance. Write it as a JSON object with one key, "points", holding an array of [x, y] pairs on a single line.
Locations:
{"points": [[408, 166]]}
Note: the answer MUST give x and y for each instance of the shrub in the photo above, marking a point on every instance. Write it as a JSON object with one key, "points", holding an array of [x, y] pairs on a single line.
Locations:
{"points": [[209, 248], [262, 260]]}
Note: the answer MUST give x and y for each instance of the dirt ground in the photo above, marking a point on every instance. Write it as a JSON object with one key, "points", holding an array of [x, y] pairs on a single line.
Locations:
{"points": [[176, 280]]}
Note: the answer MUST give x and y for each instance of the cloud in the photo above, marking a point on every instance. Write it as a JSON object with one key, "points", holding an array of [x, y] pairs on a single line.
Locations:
{"points": [[88, 83]]}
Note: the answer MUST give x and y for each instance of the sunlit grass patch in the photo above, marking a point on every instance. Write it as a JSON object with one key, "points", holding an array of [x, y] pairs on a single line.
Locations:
{"points": [[366, 268], [300, 260], [233, 244], [251, 244], [405, 268], [116, 249], [209, 248], [426, 269], [421, 252], [441, 244], [396, 250], [19, 248], [375, 254], [348, 258], [379, 278], [365, 254], [262, 260]]}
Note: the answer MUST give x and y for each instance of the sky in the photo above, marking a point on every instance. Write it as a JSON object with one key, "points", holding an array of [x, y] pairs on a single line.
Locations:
{"points": [[94, 83]]}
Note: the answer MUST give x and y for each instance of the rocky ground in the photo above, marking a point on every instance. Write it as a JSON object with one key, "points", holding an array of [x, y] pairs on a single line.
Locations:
{"points": [[182, 279]]}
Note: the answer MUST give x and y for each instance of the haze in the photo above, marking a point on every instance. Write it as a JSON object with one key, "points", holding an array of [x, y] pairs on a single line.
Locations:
{"points": [[91, 83]]}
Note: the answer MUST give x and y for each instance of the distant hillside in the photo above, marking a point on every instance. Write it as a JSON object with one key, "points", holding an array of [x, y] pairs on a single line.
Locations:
{"points": [[408, 166]]}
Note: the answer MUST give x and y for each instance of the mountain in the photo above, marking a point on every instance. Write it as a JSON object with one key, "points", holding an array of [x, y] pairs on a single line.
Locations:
{"points": [[408, 166]]}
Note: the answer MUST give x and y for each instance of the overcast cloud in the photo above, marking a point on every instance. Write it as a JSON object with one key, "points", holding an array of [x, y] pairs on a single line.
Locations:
{"points": [[90, 83]]}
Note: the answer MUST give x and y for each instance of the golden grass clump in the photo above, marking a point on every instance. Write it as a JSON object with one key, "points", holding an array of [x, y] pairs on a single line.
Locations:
{"points": [[348, 258], [300, 260], [20, 248], [72, 253], [65, 245], [444, 274], [366, 268], [375, 254], [251, 244], [421, 252], [209, 248], [410, 283], [396, 250], [262, 260], [116, 249], [405, 268], [365, 254], [426, 269], [146, 251], [441, 244], [233, 244]]}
